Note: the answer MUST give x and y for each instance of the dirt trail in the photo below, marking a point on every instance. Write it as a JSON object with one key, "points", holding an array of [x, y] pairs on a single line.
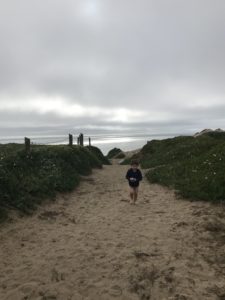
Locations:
{"points": [[92, 244]]}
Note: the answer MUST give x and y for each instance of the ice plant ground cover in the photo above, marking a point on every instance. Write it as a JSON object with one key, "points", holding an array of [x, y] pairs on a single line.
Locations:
{"points": [[27, 179]]}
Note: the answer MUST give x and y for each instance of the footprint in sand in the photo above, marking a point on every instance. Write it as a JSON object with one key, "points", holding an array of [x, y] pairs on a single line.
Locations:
{"points": [[115, 291], [57, 276]]}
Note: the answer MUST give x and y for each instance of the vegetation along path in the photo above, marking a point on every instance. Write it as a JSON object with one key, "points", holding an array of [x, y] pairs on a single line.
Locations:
{"points": [[92, 244]]}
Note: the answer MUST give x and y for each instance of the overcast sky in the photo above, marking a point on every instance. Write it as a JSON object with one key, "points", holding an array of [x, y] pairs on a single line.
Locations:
{"points": [[156, 64]]}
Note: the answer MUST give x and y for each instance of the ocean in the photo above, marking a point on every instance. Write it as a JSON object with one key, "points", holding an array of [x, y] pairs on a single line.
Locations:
{"points": [[105, 141]]}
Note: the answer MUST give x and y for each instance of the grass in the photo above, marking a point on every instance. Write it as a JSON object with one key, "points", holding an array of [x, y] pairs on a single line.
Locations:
{"points": [[28, 179], [194, 167]]}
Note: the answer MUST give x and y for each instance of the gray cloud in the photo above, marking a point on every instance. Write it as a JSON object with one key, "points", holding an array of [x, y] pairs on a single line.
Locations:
{"points": [[162, 58]]}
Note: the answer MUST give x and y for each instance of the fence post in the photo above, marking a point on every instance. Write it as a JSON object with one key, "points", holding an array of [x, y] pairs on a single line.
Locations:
{"points": [[70, 140], [89, 141], [81, 139], [27, 144]]}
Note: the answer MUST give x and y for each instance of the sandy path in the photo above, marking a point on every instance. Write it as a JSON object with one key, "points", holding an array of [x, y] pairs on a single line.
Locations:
{"points": [[93, 245]]}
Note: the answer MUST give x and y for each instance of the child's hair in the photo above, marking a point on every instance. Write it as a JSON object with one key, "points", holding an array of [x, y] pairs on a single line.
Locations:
{"points": [[134, 163]]}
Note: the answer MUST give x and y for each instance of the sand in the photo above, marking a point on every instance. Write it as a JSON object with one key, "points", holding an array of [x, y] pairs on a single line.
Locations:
{"points": [[93, 245]]}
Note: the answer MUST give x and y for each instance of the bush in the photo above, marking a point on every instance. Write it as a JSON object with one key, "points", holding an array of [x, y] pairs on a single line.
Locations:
{"points": [[193, 166], [113, 153], [98, 153], [126, 161], [27, 179], [121, 155]]}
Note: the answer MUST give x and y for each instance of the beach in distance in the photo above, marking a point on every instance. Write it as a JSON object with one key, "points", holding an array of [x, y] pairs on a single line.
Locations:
{"points": [[105, 141]]}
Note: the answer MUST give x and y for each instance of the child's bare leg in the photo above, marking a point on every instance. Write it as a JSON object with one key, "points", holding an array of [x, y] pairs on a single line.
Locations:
{"points": [[131, 195], [135, 195]]}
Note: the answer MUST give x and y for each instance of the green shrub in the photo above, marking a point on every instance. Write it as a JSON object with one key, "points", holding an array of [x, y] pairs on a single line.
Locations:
{"points": [[113, 153], [97, 152], [126, 161], [27, 179], [120, 155], [194, 167]]}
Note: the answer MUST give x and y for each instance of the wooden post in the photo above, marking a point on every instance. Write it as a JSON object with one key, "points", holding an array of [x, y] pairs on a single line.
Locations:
{"points": [[70, 140], [81, 139], [89, 141], [27, 144], [78, 140]]}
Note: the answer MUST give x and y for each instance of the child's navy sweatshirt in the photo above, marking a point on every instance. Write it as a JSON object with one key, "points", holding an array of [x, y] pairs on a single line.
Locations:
{"points": [[136, 175]]}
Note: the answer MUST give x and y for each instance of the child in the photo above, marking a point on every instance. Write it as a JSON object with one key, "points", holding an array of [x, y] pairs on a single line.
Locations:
{"points": [[134, 176]]}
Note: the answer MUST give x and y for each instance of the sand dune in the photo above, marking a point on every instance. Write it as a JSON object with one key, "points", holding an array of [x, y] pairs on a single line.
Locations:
{"points": [[93, 245]]}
